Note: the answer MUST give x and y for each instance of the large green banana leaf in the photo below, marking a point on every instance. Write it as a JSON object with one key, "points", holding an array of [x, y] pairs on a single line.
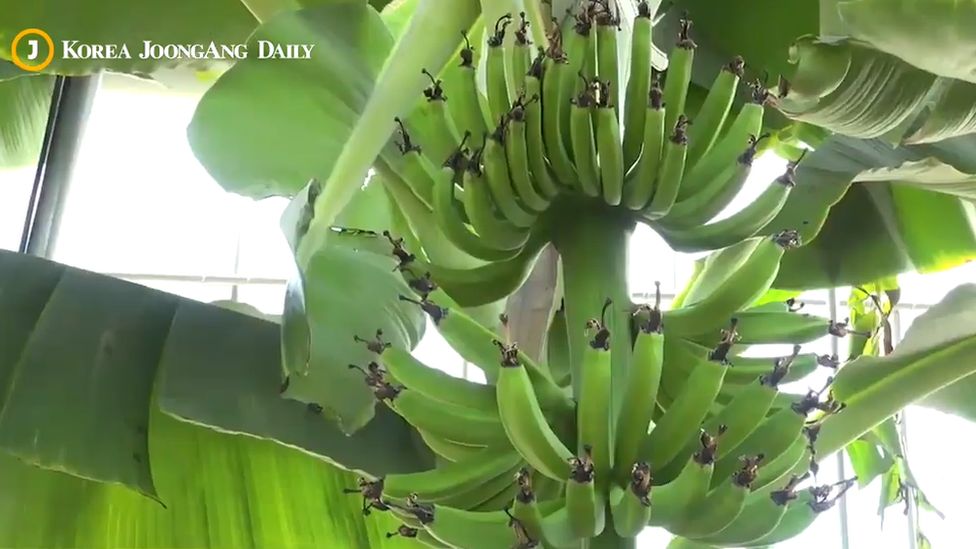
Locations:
{"points": [[323, 118], [300, 114], [350, 290], [24, 104], [215, 490], [81, 353]]}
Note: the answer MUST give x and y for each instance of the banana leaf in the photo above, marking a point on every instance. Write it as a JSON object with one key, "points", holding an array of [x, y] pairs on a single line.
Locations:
{"points": [[867, 210], [322, 119], [938, 351], [81, 354], [215, 490], [349, 291], [934, 35], [301, 113], [24, 104]]}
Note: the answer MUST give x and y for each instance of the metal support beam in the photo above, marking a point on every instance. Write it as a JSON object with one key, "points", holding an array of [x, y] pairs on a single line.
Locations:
{"points": [[71, 103], [842, 508]]}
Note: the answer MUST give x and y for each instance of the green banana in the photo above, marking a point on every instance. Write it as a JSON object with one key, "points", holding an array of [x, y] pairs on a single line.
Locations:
{"points": [[611, 155], [722, 505], [714, 270], [433, 121], [446, 210], [638, 87], [671, 171], [496, 83], [774, 436], [436, 384], [411, 167], [607, 25], [631, 507], [581, 136], [516, 151], [579, 49], [525, 508], [710, 168], [770, 328], [476, 529], [713, 112], [713, 198], [554, 68], [533, 129], [748, 282], [501, 498], [593, 412], [741, 225], [683, 418], [437, 485], [480, 209], [495, 167], [640, 184], [641, 390], [524, 422], [797, 455], [520, 57], [583, 503], [458, 423], [486, 283], [759, 517], [557, 348], [748, 369], [479, 346], [741, 416], [675, 500], [460, 82], [448, 449], [679, 74], [801, 513]]}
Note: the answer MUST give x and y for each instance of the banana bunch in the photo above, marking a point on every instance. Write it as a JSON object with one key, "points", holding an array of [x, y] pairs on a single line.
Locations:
{"points": [[491, 172], [637, 415], [704, 444]]}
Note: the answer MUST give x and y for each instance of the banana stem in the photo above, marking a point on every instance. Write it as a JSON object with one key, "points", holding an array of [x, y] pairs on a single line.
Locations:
{"points": [[593, 248]]}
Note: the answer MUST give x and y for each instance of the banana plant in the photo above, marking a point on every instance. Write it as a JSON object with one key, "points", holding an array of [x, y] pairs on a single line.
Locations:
{"points": [[492, 134]]}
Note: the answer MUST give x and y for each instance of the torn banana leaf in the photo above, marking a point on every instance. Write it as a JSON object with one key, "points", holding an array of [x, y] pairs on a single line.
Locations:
{"points": [[93, 349]]}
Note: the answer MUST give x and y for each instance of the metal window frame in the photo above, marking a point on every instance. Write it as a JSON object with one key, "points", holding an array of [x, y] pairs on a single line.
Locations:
{"points": [[71, 101]]}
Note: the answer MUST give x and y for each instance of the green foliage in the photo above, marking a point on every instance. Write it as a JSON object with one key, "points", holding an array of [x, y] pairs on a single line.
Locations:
{"points": [[300, 113], [80, 342], [24, 105], [215, 490], [937, 352]]}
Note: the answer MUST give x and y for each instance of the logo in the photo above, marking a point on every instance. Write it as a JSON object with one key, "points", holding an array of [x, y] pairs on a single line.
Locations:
{"points": [[32, 38]]}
